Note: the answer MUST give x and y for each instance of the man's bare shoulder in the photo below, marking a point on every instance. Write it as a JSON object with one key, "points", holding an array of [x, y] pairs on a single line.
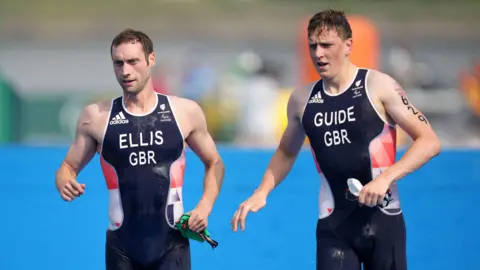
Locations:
{"points": [[379, 80], [94, 118], [96, 110], [189, 113], [299, 96], [304, 90], [184, 105]]}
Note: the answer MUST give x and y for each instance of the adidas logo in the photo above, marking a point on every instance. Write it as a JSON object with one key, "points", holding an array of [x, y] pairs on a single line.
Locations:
{"points": [[317, 98], [119, 119]]}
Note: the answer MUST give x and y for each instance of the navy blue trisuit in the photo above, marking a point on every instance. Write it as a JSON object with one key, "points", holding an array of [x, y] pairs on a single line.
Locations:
{"points": [[143, 160], [349, 139]]}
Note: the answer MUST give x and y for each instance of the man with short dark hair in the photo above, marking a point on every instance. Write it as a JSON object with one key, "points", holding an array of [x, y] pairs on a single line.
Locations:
{"points": [[141, 138]]}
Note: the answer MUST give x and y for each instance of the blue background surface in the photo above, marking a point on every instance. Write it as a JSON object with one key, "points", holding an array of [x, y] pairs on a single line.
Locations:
{"points": [[40, 231]]}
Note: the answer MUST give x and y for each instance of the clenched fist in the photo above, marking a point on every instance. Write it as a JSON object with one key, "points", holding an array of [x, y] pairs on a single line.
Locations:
{"points": [[71, 190]]}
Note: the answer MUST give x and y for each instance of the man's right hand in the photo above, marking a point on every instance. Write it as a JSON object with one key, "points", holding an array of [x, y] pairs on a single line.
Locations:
{"points": [[71, 189], [256, 202], [80, 152]]}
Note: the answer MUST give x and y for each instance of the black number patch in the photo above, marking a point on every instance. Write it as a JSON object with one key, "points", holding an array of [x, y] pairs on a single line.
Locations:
{"points": [[410, 108]]}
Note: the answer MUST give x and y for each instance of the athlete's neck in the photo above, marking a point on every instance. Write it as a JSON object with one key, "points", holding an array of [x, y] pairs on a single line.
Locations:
{"points": [[340, 82], [142, 102]]}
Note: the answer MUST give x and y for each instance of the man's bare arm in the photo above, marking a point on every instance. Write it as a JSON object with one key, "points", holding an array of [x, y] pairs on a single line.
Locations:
{"points": [[281, 162], [426, 144], [80, 152], [204, 147], [288, 149]]}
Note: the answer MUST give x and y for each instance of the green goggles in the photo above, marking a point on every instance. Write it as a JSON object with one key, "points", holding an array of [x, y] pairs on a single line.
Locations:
{"points": [[201, 237]]}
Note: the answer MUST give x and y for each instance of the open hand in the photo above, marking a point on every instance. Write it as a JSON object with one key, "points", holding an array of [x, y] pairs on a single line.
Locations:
{"points": [[256, 202]]}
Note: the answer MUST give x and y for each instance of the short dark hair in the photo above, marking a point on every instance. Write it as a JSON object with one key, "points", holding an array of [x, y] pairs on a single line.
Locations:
{"points": [[133, 36], [330, 19]]}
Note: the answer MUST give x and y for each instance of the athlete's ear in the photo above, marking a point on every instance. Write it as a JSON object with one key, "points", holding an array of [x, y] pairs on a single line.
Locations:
{"points": [[151, 59], [348, 43]]}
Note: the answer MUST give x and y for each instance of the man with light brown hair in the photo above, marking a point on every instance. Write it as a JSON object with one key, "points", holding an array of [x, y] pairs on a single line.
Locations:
{"points": [[350, 117]]}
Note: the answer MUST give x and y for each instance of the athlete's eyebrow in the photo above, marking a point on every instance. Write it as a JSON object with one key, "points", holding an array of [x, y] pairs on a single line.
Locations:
{"points": [[128, 60], [132, 59], [323, 44]]}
